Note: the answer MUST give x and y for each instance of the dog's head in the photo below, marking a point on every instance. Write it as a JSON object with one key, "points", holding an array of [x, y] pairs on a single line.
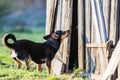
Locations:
{"points": [[59, 35]]}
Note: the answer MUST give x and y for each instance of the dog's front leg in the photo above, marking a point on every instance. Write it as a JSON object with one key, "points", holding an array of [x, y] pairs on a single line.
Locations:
{"points": [[48, 64], [38, 68]]}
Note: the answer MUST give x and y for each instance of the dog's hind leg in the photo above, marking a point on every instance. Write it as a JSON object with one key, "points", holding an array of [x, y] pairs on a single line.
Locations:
{"points": [[18, 63], [27, 64], [38, 68]]}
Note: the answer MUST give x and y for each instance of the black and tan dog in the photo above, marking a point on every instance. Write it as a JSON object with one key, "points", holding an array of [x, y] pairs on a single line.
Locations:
{"points": [[24, 50]]}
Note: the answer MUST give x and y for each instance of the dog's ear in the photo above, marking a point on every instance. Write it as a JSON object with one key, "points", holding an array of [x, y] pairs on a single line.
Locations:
{"points": [[55, 36], [47, 37]]}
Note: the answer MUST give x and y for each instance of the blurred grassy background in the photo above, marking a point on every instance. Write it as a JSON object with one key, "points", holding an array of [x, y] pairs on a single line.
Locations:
{"points": [[26, 20], [22, 15], [23, 18]]}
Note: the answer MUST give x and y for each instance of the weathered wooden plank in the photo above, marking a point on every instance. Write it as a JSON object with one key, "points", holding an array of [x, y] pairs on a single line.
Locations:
{"points": [[88, 33], [95, 77], [65, 22], [81, 33], [106, 12], [101, 21], [113, 62], [118, 13], [118, 71], [95, 21], [56, 70], [93, 66], [93, 51], [113, 20], [49, 15], [59, 15], [58, 58], [119, 30], [119, 38], [102, 28], [103, 61], [95, 45]]}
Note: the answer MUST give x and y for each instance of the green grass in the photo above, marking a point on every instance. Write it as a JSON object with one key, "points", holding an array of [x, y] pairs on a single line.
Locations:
{"points": [[8, 71]]}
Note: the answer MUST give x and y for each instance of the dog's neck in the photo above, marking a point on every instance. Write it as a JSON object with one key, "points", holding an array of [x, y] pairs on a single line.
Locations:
{"points": [[53, 43]]}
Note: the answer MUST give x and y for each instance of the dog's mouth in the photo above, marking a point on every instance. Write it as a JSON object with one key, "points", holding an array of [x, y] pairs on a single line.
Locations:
{"points": [[65, 35]]}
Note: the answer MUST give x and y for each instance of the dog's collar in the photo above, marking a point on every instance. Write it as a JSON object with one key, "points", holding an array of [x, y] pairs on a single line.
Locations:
{"points": [[54, 44], [52, 47]]}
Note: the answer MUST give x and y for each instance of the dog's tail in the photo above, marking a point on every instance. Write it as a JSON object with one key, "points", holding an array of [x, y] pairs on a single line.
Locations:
{"points": [[5, 40]]}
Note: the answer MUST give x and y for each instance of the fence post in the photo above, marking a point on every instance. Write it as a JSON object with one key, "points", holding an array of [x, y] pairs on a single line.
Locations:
{"points": [[81, 33], [49, 15]]}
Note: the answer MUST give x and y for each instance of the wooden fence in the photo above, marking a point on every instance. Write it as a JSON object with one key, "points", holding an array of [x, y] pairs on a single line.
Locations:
{"points": [[95, 32]]}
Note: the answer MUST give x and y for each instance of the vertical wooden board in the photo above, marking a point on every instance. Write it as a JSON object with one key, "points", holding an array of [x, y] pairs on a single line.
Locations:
{"points": [[95, 64], [57, 69], [95, 38], [81, 34], [64, 24], [101, 20], [119, 19], [87, 32], [113, 21], [59, 15], [92, 61], [57, 26], [56, 66], [119, 31], [103, 34], [118, 22], [98, 35], [106, 12], [49, 15], [119, 71]]}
